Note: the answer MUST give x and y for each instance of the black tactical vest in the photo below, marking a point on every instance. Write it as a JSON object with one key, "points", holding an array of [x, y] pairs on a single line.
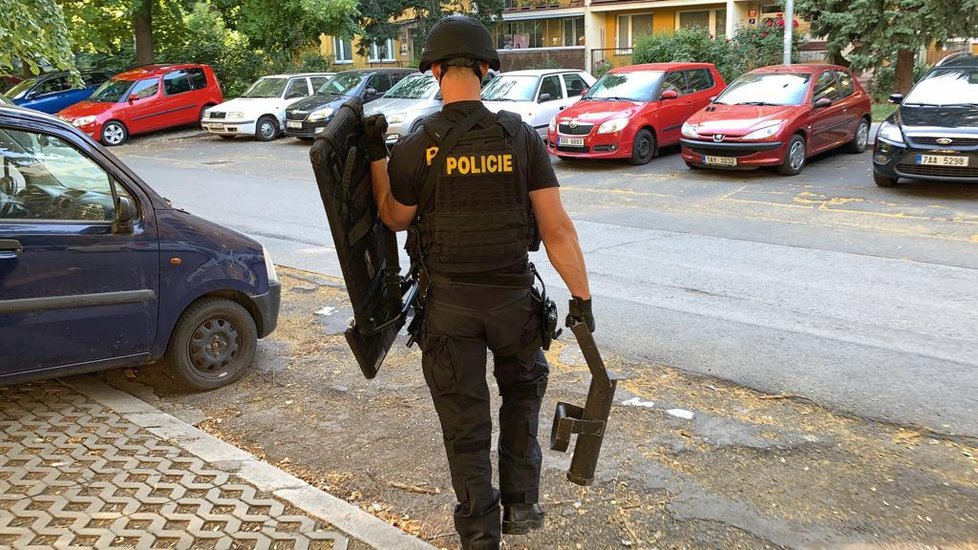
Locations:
{"points": [[480, 221]]}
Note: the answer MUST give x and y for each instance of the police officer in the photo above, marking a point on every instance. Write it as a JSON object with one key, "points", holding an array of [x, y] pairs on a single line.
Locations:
{"points": [[475, 187]]}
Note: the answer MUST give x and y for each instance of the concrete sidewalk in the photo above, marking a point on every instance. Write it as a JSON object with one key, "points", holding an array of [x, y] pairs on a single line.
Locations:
{"points": [[83, 465]]}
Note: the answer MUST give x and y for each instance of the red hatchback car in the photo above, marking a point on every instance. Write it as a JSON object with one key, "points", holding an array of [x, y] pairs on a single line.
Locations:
{"points": [[779, 116], [147, 98], [632, 111]]}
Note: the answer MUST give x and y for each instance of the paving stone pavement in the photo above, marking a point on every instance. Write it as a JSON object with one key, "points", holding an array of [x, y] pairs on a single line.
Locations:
{"points": [[76, 474]]}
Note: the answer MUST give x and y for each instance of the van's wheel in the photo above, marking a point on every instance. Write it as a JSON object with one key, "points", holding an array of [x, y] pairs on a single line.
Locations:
{"points": [[266, 129], [114, 133], [859, 139], [794, 157], [643, 148], [213, 344]]}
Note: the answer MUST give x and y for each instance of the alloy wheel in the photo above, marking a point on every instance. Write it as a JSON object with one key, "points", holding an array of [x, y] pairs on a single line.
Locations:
{"points": [[796, 156]]}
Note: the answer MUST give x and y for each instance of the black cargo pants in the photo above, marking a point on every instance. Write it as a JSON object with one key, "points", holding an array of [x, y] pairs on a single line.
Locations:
{"points": [[462, 321]]}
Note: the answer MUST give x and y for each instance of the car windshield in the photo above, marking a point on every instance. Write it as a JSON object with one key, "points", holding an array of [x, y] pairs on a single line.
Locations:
{"points": [[766, 89], [112, 90], [341, 84], [631, 86], [267, 87], [510, 88], [18, 91], [419, 86], [950, 86]]}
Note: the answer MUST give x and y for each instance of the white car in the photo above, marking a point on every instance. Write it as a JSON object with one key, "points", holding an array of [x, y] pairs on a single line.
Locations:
{"points": [[536, 95], [260, 111]]}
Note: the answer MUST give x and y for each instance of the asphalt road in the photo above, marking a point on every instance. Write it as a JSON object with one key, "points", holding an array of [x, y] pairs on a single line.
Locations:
{"points": [[820, 285]]}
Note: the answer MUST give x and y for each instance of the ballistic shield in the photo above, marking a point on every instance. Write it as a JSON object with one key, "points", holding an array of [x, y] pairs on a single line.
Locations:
{"points": [[590, 422], [366, 248]]}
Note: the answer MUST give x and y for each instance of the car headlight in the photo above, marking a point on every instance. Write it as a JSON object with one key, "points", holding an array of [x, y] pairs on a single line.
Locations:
{"points": [[236, 115], [395, 118], [613, 125], [764, 132], [83, 121], [269, 266], [689, 130], [322, 114], [552, 127], [890, 132]]}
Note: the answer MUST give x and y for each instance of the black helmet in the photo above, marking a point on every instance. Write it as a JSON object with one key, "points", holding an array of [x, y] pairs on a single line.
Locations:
{"points": [[458, 36]]}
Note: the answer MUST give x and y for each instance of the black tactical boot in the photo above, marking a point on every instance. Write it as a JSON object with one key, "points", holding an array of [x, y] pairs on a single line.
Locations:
{"points": [[519, 519]]}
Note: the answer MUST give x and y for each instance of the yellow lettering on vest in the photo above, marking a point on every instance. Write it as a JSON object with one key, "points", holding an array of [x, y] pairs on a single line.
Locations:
{"points": [[507, 162], [491, 163], [475, 165], [464, 166], [451, 163], [429, 154]]}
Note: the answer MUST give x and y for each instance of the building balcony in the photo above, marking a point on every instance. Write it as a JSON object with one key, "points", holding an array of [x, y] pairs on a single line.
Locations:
{"points": [[521, 5]]}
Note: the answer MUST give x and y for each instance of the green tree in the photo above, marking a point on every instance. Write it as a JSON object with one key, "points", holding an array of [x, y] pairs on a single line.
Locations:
{"points": [[33, 31], [125, 28], [883, 32], [289, 25]]}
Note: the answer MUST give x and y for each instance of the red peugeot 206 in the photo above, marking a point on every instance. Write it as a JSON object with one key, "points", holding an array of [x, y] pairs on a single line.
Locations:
{"points": [[632, 111], [144, 99], [779, 116]]}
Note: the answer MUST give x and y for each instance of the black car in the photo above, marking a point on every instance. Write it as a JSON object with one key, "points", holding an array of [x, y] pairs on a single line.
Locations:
{"points": [[307, 118], [934, 133]]}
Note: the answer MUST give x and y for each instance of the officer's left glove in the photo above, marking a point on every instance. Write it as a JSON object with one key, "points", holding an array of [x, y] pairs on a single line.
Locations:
{"points": [[579, 311], [375, 133]]}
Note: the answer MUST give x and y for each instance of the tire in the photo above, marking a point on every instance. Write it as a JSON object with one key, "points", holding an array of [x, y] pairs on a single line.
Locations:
{"points": [[266, 129], [794, 157], [226, 136], [416, 126], [860, 139], [114, 133], [883, 181], [643, 148], [229, 327]]}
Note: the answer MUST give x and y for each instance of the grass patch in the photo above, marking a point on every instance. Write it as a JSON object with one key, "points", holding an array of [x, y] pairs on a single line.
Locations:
{"points": [[882, 110]]}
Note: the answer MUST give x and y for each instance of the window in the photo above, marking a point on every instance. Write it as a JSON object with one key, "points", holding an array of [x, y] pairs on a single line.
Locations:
{"points": [[52, 86], [575, 84], [146, 88], [551, 86], [297, 88], [382, 52], [676, 81], [633, 27], [198, 78], [45, 178], [699, 79], [379, 82], [342, 50], [177, 82], [826, 86], [846, 87], [318, 81], [714, 21], [573, 34]]}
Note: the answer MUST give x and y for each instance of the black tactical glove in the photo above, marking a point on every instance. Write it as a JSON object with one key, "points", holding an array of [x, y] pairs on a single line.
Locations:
{"points": [[579, 310], [375, 133]]}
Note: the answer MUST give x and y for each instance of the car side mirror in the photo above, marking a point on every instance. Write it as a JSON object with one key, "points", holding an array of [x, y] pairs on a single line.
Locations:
{"points": [[896, 98], [669, 94], [371, 91], [823, 103], [31, 95], [125, 213], [133, 97], [584, 91], [543, 97], [713, 98]]}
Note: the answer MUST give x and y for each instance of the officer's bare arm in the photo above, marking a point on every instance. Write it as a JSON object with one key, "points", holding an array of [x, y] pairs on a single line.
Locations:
{"points": [[560, 238], [395, 215]]}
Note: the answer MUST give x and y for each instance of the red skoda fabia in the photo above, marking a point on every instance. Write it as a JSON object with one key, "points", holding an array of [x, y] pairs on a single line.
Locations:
{"points": [[632, 111], [779, 116]]}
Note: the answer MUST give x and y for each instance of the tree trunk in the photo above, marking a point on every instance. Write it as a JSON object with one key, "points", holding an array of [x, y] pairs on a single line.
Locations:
{"points": [[903, 80], [142, 24]]}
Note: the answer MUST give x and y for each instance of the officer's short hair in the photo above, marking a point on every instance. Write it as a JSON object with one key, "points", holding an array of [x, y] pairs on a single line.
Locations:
{"points": [[462, 62]]}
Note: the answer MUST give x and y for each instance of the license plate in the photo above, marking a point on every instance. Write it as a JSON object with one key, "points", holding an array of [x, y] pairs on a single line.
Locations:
{"points": [[570, 141], [293, 124], [942, 160], [720, 161], [215, 126]]}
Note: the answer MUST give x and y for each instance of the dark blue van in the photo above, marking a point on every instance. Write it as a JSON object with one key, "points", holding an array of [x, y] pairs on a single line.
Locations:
{"points": [[49, 93], [98, 271]]}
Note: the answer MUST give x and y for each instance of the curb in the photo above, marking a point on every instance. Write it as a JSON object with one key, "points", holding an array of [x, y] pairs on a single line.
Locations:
{"points": [[337, 512]]}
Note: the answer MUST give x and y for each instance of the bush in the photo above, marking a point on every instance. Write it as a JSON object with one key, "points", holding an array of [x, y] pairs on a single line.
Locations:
{"points": [[881, 85]]}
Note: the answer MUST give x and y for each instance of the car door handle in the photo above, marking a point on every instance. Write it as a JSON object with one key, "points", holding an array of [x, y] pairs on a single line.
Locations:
{"points": [[10, 249]]}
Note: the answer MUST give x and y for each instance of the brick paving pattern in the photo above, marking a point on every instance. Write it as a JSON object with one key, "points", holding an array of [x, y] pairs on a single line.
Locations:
{"points": [[74, 474]]}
